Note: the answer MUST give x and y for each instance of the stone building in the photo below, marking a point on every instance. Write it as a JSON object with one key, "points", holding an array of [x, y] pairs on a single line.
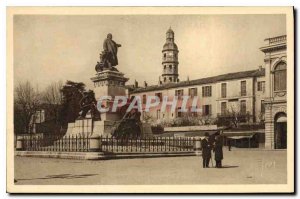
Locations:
{"points": [[276, 92], [259, 93], [242, 92]]}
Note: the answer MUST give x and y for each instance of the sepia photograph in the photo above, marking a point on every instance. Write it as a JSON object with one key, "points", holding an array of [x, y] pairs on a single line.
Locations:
{"points": [[150, 100]]}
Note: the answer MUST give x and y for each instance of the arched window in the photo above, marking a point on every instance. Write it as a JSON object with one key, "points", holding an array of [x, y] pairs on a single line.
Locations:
{"points": [[280, 77]]}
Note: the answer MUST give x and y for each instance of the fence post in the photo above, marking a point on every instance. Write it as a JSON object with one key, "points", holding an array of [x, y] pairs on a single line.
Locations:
{"points": [[94, 143], [197, 146], [19, 145]]}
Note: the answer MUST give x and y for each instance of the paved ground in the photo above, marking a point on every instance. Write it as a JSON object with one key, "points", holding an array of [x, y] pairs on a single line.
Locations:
{"points": [[241, 167]]}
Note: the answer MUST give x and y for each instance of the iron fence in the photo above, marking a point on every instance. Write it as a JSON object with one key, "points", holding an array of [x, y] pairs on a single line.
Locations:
{"points": [[156, 144], [107, 144], [56, 143]]}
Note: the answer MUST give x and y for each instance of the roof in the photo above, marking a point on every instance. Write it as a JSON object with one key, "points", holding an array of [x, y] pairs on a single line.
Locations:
{"points": [[207, 80], [170, 46], [170, 30]]}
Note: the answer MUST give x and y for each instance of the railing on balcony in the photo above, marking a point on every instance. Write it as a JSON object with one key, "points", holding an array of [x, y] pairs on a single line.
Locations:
{"points": [[274, 40]]}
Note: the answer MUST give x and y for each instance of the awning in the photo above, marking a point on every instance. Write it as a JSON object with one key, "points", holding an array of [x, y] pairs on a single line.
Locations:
{"points": [[241, 134], [240, 137]]}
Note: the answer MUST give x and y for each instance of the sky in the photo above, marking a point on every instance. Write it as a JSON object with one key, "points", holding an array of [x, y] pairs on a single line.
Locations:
{"points": [[50, 48]]}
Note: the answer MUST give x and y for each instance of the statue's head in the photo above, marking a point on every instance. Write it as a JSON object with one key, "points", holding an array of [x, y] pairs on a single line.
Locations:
{"points": [[109, 36]]}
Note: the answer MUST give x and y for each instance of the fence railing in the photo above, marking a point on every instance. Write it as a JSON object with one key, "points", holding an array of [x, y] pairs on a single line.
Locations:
{"points": [[54, 143], [106, 144], [158, 144]]}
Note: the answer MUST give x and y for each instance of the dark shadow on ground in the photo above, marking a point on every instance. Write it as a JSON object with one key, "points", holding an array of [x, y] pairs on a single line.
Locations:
{"points": [[228, 167], [60, 176]]}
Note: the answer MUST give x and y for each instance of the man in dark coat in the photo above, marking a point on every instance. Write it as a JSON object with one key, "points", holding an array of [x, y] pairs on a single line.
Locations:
{"points": [[218, 149], [110, 48], [206, 150]]}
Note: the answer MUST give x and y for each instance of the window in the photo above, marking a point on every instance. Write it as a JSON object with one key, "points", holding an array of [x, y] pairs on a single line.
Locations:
{"points": [[179, 113], [170, 78], [165, 55], [223, 108], [144, 99], [261, 86], [206, 110], [165, 66], [193, 111], [206, 91], [170, 66], [262, 106], [223, 90], [159, 95], [243, 107], [158, 114], [165, 79], [179, 93], [192, 92], [243, 88], [280, 77]]}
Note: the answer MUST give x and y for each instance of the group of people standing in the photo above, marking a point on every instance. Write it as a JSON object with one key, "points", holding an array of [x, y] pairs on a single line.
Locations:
{"points": [[215, 144]]}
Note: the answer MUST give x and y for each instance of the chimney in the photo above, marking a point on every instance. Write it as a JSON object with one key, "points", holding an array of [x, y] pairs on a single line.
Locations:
{"points": [[136, 84], [145, 84], [260, 68]]}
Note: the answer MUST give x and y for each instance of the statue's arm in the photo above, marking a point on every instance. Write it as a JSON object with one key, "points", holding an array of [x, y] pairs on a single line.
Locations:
{"points": [[119, 45]]}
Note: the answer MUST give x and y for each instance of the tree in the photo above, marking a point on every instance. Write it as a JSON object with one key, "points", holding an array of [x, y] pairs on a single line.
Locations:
{"points": [[72, 93], [52, 96], [26, 101], [233, 117]]}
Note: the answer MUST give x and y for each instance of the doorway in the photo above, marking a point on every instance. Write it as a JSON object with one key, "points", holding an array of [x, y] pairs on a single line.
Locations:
{"points": [[280, 131]]}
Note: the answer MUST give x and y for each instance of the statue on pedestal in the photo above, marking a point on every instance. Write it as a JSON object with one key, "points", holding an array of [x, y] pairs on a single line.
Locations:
{"points": [[108, 57]]}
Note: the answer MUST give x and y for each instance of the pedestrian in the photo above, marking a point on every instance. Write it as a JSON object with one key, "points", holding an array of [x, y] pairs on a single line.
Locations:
{"points": [[206, 150], [229, 144], [218, 149]]}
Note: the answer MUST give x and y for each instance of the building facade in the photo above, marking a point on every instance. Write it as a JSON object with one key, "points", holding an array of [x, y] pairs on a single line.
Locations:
{"points": [[260, 94], [276, 92], [241, 92]]}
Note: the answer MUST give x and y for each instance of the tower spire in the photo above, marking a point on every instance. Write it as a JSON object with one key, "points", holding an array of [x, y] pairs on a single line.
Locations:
{"points": [[170, 59]]}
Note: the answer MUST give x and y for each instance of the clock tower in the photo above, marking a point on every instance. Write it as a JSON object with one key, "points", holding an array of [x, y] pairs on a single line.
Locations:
{"points": [[169, 59]]}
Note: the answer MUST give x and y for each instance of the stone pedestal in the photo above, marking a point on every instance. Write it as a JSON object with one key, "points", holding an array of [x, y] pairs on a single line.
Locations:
{"points": [[109, 83], [19, 145]]}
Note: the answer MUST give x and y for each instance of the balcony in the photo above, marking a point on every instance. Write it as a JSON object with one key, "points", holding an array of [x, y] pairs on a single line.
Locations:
{"points": [[274, 43], [275, 40]]}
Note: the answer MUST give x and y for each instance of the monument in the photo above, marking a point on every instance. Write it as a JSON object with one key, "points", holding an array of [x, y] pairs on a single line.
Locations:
{"points": [[108, 81]]}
